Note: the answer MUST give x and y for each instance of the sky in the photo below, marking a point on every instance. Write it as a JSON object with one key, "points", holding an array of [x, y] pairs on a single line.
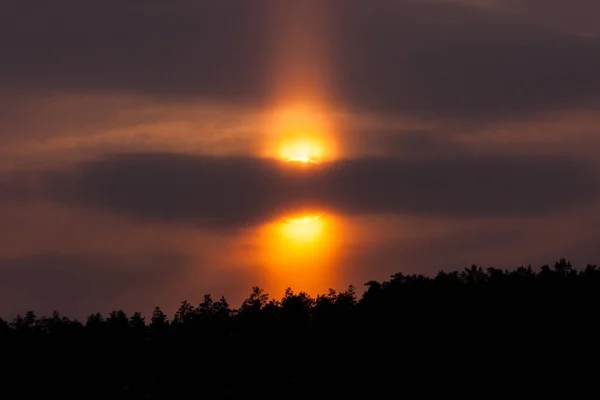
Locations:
{"points": [[144, 145]]}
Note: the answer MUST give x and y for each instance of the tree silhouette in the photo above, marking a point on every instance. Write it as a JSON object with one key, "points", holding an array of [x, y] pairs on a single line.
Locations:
{"points": [[159, 323], [477, 326]]}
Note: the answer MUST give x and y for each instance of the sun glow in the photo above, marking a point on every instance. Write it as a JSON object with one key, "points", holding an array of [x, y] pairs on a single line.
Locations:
{"points": [[307, 150], [301, 149], [303, 160], [302, 230], [300, 134], [303, 220], [299, 250]]}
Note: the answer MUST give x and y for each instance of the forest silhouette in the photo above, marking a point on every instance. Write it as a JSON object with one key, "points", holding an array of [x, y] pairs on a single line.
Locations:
{"points": [[477, 331]]}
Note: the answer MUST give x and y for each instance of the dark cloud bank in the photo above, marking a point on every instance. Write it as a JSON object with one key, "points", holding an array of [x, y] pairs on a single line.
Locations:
{"points": [[230, 192], [428, 59]]}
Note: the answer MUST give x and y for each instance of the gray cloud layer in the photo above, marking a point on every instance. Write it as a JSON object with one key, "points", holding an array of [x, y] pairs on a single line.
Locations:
{"points": [[418, 58], [581, 16], [233, 192]]}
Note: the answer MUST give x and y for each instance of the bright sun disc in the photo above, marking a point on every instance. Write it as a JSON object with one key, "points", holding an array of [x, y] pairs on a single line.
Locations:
{"points": [[305, 150], [303, 160], [303, 220], [303, 229], [300, 134]]}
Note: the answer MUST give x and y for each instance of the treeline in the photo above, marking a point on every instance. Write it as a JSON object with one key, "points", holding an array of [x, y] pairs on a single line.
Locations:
{"points": [[478, 321]]}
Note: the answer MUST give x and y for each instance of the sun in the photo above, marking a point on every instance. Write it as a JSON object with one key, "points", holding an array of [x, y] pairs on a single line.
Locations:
{"points": [[303, 228], [299, 249], [303, 220], [302, 160], [300, 134], [307, 150]]}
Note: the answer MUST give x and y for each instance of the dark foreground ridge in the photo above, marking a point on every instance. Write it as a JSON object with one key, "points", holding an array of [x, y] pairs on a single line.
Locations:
{"points": [[483, 332]]}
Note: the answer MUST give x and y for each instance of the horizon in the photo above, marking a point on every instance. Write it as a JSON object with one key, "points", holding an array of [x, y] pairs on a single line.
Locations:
{"points": [[563, 269]]}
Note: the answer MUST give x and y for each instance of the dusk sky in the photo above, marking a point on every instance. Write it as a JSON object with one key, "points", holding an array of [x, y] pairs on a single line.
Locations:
{"points": [[145, 145]]}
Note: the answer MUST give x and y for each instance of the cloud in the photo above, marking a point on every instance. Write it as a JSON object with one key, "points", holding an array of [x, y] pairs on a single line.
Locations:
{"points": [[576, 15], [406, 143], [426, 59], [451, 61], [131, 46], [231, 192], [79, 284]]}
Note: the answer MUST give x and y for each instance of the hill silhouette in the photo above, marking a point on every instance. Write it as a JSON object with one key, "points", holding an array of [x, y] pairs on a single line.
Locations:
{"points": [[472, 332]]}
